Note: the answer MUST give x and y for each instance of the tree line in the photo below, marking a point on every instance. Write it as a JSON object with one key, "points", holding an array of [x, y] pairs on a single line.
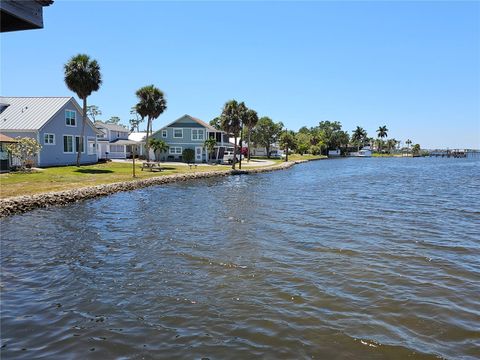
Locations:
{"points": [[83, 76]]}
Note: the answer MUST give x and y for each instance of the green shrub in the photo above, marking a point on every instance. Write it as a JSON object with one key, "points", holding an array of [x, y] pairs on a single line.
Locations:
{"points": [[188, 156]]}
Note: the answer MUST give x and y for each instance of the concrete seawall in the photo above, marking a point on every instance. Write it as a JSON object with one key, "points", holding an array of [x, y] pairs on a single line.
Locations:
{"points": [[21, 204]]}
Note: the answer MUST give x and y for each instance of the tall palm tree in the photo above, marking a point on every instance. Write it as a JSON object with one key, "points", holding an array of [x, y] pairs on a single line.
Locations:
{"points": [[83, 77], [242, 112], [231, 123], [288, 142], [151, 105], [408, 142], [382, 132], [359, 135], [251, 120]]}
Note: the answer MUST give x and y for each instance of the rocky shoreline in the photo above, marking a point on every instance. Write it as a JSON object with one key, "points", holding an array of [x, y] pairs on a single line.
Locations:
{"points": [[22, 204]]}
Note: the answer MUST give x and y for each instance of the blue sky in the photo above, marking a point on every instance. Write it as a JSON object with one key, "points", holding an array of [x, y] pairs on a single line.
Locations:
{"points": [[413, 66]]}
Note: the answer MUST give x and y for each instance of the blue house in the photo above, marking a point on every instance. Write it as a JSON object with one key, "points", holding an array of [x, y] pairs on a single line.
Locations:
{"points": [[189, 132], [55, 122]]}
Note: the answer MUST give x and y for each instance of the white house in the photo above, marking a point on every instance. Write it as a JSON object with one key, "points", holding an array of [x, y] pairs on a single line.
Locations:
{"points": [[113, 142]]}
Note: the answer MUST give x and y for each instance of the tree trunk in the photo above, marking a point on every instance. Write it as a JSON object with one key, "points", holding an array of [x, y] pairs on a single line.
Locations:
{"points": [[80, 141], [286, 153], [268, 151], [240, 156], [147, 146], [248, 144], [234, 152], [134, 148]]}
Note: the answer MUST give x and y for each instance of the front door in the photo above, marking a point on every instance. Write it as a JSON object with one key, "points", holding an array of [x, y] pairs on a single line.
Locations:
{"points": [[198, 153]]}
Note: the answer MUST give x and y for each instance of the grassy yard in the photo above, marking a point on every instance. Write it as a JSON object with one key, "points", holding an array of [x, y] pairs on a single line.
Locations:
{"points": [[294, 157], [70, 177]]}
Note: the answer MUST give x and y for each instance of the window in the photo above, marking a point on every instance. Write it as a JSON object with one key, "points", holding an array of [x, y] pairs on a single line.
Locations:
{"points": [[70, 118], [79, 144], [175, 150], [91, 148], [178, 133], [49, 139], [117, 148], [197, 134], [68, 144], [164, 133]]}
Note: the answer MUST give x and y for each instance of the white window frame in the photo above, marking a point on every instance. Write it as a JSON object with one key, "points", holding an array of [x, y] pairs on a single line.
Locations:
{"points": [[74, 117], [165, 133], [177, 137], [45, 142], [173, 150], [83, 141], [73, 144], [198, 132]]}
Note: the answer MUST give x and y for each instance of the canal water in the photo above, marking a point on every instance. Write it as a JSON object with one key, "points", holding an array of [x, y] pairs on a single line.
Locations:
{"points": [[336, 259]]}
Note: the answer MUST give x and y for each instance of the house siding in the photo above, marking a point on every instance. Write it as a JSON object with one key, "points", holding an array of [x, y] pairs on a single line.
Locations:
{"points": [[184, 142], [53, 155], [188, 125]]}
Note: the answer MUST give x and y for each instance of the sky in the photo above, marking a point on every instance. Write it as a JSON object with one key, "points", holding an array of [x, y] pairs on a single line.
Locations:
{"points": [[412, 66]]}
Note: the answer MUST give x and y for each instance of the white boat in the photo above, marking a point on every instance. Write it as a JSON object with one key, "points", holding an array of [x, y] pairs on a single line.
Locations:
{"points": [[364, 152]]}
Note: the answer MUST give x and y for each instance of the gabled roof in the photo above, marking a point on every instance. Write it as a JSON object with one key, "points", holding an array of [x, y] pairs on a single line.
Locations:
{"points": [[201, 122], [110, 126], [31, 113]]}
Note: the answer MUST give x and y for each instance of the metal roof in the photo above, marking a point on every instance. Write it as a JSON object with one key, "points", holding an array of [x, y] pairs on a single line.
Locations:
{"points": [[124, 142], [30, 113], [137, 136], [197, 120], [110, 126]]}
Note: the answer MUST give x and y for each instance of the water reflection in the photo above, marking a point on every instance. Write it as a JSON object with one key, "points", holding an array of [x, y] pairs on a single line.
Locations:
{"points": [[356, 258]]}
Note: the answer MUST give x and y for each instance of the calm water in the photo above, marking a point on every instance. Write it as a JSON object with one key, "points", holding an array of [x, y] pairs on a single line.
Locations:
{"points": [[342, 259]]}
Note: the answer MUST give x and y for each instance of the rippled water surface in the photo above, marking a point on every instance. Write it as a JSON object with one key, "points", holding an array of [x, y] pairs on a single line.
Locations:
{"points": [[342, 259]]}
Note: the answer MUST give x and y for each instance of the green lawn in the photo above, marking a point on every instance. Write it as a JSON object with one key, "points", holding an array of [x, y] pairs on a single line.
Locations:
{"points": [[294, 157], [70, 177]]}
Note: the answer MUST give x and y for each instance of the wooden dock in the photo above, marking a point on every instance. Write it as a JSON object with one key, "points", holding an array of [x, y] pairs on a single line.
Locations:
{"points": [[454, 153]]}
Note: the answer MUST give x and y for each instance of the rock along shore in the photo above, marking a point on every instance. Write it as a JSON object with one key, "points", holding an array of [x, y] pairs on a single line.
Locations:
{"points": [[21, 204]]}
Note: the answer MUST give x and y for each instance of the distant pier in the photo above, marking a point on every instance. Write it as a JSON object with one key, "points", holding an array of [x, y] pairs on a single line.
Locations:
{"points": [[455, 153]]}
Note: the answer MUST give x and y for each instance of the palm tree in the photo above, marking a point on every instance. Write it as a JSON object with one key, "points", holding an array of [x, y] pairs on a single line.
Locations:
{"points": [[287, 141], [158, 147], [210, 144], [242, 112], [359, 135], [251, 120], [416, 150], [231, 123], [382, 132], [391, 143], [408, 142], [151, 105], [83, 77]]}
